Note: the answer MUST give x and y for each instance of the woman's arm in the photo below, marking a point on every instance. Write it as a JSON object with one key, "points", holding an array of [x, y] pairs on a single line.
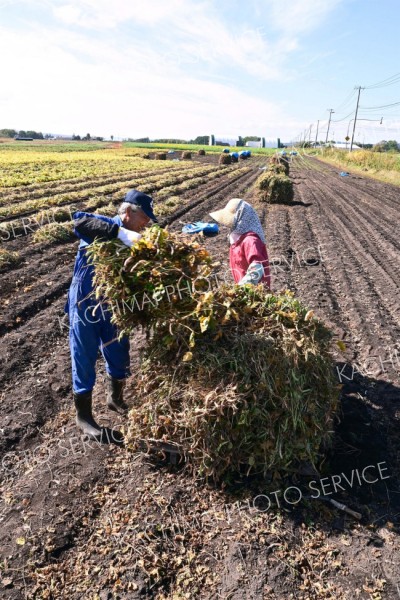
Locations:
{"points": [[257, 258]]}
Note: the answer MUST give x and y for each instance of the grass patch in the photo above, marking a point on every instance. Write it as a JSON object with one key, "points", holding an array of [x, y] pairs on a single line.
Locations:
{"points": [[8, 258], [378, 165], [53, 232]]}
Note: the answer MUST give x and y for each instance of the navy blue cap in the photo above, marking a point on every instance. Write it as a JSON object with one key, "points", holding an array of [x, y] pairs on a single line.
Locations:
{"points": [[142, 200]]}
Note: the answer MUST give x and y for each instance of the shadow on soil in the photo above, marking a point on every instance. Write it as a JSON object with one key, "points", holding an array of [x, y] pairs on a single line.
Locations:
{"points": [[360, 469]]}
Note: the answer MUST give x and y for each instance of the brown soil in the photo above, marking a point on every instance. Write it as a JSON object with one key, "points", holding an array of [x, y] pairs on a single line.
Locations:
{"points": [[83, 521]]}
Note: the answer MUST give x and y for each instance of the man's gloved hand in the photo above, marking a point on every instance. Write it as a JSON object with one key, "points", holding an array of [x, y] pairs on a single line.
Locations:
{"points": [[254, 274], [127, 236]]}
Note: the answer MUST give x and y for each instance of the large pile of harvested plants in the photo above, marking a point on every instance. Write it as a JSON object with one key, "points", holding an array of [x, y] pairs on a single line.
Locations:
{"points": [[240, 378], [275, 188], [225, 159]]}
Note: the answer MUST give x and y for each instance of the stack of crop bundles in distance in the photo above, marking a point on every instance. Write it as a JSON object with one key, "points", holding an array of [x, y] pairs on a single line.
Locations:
{"points": [[274, 185], [225, 159], [279, 164], [275, 188], [186, 155], [241, 379], [161, 156]]}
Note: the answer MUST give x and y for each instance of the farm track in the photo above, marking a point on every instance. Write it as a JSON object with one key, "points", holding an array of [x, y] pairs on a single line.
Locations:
{"points": [[339, 260]]}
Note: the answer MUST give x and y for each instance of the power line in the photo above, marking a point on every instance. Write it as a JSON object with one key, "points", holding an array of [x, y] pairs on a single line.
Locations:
{"points": [[379, 107], [345, 102], [344, 118], [385, 82]]}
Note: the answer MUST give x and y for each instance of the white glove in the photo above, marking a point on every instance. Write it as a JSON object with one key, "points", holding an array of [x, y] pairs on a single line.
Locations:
{"points": [[255, 272], [128, 237]]}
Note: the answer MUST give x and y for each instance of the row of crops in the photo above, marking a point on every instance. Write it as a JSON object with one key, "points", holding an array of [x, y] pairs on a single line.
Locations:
{"points": [[91, 181], [21, 168]]}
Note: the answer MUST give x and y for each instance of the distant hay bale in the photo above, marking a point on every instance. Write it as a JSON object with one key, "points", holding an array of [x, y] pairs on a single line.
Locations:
{"points": [[225, 159], [201, 152], [275, 188], [186, 155], [161, 156], [239, 378]]}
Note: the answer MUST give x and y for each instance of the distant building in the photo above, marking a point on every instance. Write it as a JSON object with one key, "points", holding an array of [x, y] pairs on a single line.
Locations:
{"points": [[216, 140], [272, 143], [260, 144]]}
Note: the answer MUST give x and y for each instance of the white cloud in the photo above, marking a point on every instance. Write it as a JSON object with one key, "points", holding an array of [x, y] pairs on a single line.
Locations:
{"points": [[124, 94], [68, 14], [300, 16], [193, 32], [176, 74]]}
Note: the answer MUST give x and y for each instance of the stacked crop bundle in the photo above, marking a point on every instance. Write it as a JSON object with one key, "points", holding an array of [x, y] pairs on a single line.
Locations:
{"points": [[279, 164], [224, 159], [186, 155], [274, 185], [239, 378], [275, 188]]}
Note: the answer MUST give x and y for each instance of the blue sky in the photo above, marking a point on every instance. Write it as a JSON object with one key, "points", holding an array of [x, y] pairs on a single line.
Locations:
{"points": [[182, 68]]}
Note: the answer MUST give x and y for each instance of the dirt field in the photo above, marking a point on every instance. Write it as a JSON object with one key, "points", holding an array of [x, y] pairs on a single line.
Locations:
{"points": [[82, 521]]}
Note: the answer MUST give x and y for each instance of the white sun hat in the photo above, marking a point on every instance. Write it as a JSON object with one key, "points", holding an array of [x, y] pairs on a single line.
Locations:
{"points": [[226, 216]]}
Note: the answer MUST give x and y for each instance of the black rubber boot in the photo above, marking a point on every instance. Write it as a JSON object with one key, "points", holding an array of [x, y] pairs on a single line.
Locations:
{"points": [[84, 417], [115, 399]]}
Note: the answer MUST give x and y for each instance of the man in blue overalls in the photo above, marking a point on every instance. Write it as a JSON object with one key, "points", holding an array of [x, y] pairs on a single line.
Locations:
{"points": [[92, 330]]}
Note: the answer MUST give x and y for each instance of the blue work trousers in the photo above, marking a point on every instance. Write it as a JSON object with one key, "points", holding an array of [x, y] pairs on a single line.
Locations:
{"points": [[89, 332]]}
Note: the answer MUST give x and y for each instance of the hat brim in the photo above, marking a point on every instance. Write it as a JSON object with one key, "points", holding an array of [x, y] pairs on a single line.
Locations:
{"points": [[149, 213], [223, 216]]}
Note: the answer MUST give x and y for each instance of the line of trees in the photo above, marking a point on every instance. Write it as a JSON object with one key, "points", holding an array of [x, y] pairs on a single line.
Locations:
{"points": [[88, 138], [386, 146], [11, 133], [38, 135]]}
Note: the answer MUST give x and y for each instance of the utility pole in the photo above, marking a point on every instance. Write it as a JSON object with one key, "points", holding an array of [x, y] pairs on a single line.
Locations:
{"points": [[329, 123], [309, 135], [316, 135], [355, 117]]}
